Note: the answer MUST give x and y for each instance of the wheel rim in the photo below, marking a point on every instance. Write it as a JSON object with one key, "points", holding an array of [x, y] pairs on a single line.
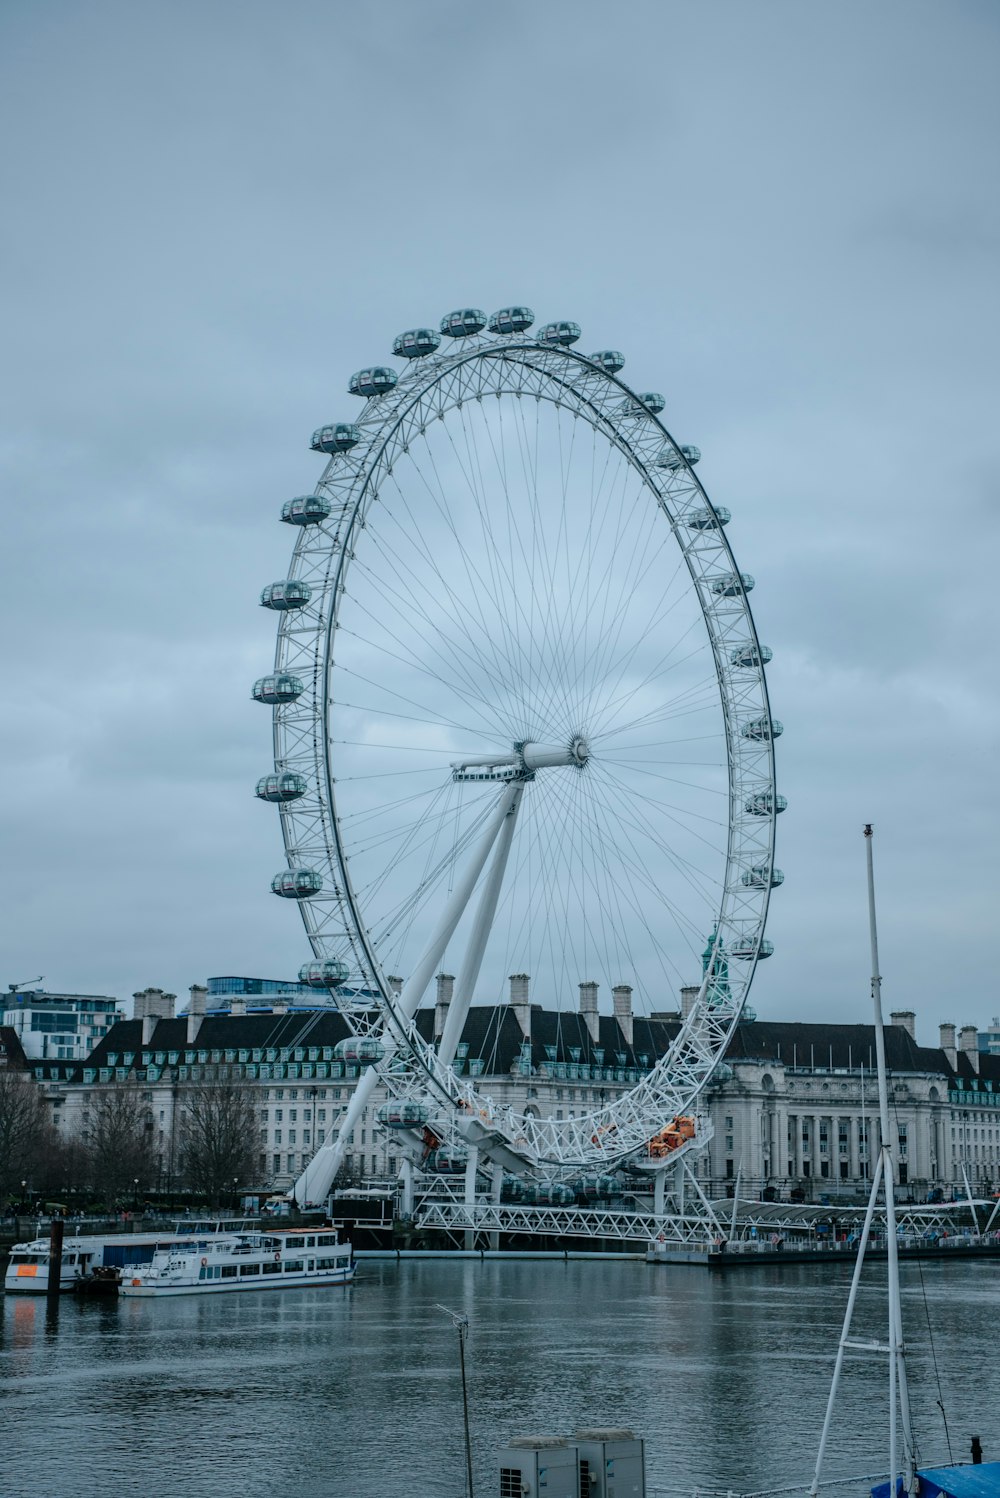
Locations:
{"points": [[391, 590]]}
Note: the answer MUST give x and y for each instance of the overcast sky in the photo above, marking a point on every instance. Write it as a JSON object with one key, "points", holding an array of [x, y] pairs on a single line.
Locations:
{"points": [[784, 214]]}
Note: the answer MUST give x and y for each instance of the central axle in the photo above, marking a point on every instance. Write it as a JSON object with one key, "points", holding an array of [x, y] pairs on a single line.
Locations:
{"points": [[522, 763]]}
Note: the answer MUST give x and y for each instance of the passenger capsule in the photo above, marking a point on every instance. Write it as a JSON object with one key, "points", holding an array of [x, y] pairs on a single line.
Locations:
{"points": [[305, 509], [416, 343], [376, 381], [757, 877], [745, 946], [359, 1050], [403, 1115], [448, 1160], [279, 688], [609, 359], [512, 1189], [292, 593], [563, 333], [762, 730], [326, 972], [676, 457], [550, 1193], [762, 803], [283, 785], [731, 584], [340, 437], [511, 320], [297, 884], [708, 519], [463, 323], [751, 655], [652, 401]]}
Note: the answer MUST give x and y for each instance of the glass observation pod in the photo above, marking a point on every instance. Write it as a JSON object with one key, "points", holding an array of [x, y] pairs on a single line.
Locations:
{"points": [[284, 785], [416, 343], [756, 877], [404, 1115], [279, 688], [744, 948], [709, 519], [596, 1188], [549, 1194], [511, 320], [650, 400], [378, 380], [297, 884], [326, 972], [447, 1161], [563, 333], [339, 437], [289, 594], [677, 457], [512, 1189], [463, 323], [762, 729], [306, 509], [610, 360], [763, 803], [731, 584], [360, 1050], [751, 655]]}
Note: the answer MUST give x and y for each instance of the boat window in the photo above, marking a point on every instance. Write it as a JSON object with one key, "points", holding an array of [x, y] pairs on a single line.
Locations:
{"points": [[20, 1259], [312, 1264], [295, 1243], [294, 1266], [229, 1271], [249, 1269], [310, 1243], [272, 1268]]}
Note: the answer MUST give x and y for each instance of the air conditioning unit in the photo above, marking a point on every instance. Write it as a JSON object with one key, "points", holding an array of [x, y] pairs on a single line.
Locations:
{"points": [[539, 1467], [612, 1464]]}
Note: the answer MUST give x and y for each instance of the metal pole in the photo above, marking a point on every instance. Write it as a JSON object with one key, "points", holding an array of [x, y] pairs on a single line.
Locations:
{"points": [[55, 1256], [463, 1327], [897, 1353]]}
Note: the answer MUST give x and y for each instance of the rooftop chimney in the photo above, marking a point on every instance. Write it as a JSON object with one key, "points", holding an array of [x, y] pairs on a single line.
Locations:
{"points": [[520, 1002], [968, 1041], [588, 1010], [689, 997], [150, 1005], [947, 1043], [445, 989], [906, 1020], [196, 1011], [621, 995]]}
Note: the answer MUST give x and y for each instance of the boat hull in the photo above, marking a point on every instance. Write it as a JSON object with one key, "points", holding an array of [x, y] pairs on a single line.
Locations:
{"points": [[289, 1282]]}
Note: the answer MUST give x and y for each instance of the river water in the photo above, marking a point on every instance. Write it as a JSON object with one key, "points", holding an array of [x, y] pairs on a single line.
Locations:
{"points": [[355, 1393]]}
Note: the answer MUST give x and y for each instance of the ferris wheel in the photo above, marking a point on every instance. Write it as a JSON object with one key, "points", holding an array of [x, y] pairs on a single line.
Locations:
{"points": [[521, 728]]}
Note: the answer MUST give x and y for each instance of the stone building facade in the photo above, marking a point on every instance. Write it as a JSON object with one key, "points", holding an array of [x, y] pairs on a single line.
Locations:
{"points": [[794, 1107]]}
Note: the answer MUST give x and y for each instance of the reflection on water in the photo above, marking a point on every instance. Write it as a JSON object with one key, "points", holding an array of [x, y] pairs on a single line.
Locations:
{"points": [[355, 1392]]}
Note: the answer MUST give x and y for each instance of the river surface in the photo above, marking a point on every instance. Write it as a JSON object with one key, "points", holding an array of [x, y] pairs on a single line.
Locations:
{"points": [[355, 1393]]}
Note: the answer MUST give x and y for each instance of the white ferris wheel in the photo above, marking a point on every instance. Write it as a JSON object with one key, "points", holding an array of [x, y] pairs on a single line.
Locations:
{"points": [[521, 727]]}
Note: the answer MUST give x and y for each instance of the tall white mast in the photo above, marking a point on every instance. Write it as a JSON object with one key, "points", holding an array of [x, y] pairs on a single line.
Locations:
{"points": [[899, 1398]]}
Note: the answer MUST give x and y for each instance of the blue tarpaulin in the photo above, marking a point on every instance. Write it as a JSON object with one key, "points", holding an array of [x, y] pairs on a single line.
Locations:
{"points": [[967, 1481]]}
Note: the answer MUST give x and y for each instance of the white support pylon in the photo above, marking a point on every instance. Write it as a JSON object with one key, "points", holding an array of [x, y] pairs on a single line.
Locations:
{"points": [[458, 1009], [315, 1181]]}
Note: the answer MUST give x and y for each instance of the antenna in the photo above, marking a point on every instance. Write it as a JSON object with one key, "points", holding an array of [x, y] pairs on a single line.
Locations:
{"points": [[461, 1324]]}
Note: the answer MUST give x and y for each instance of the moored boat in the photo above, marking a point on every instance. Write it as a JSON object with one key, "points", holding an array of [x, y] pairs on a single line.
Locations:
{"points": [[243, 1261]]}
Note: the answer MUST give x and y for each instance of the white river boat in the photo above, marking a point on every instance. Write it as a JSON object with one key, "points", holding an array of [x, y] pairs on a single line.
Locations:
{"points": [[243, 1261]]}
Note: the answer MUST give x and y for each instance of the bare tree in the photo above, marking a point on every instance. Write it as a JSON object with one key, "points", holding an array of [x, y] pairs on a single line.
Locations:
{"points": [[24, 1128], [219, 1137], [118, 1141]]}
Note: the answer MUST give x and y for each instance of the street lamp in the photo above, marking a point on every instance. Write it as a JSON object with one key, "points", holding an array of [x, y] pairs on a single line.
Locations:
{"points": [[236, 1185], [135, 1193]]}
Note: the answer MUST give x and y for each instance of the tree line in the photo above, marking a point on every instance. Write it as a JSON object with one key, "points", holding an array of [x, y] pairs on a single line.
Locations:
{"points": [[116, 1155]]}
